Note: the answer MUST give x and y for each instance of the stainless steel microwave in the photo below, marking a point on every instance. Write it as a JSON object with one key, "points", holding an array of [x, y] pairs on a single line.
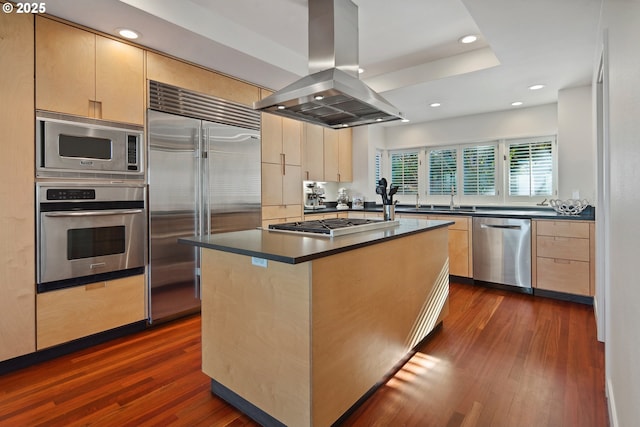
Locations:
{"points": [[77, 147]]}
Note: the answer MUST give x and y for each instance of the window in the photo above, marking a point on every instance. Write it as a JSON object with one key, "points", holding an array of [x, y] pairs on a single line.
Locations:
{"points": [[531, 168], [479, 170], [442, 171], [378, 166], [404, 171]]}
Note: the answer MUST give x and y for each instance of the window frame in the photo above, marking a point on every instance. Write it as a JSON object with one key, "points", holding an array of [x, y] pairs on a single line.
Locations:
{"points": [[390, 155], [554, 169], [501, 173]]}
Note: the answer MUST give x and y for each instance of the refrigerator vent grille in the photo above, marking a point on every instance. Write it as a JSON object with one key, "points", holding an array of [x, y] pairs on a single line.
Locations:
{"points": [[184, 102]]}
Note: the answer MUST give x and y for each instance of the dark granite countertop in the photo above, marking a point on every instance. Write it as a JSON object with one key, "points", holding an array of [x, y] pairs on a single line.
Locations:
{"points": [[293, 248], [494, 211]]}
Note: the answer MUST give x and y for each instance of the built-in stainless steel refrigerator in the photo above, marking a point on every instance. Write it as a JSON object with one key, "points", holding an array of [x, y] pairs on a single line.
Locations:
{"points": [[204, 177]]}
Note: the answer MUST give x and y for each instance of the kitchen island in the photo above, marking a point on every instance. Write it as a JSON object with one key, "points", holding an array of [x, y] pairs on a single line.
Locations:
{"points": [[297, 329]]}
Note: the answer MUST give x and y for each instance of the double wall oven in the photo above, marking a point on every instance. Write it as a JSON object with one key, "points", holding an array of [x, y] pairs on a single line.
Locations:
{"points": [[90, 201]]}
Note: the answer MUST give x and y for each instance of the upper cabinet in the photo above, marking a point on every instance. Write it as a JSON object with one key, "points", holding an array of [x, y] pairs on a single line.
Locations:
{"points": [[327, 154], [177, 73], [84, 74], [313, 152], [281, 140], [281, 158]]}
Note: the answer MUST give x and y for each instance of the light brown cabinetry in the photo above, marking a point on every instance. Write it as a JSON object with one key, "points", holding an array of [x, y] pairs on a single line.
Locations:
{"points": [[281, 169], [316, 216], [84, 74], [460, 242], [178, 73], [312, 152], [338, 148], [326, 154], [17, 224], [563, 256], [77, 312]]}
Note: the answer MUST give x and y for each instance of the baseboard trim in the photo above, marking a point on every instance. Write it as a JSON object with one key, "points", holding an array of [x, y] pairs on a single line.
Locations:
{"points": [[50, 353]]}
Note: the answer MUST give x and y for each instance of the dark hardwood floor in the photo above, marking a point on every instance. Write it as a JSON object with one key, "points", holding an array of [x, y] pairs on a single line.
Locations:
{"points": [[501, 359]]}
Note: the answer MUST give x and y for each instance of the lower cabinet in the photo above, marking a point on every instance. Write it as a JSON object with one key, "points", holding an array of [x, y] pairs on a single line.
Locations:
{"points": [[68, 314], [317, 216], [563, 256], [460, 247]]}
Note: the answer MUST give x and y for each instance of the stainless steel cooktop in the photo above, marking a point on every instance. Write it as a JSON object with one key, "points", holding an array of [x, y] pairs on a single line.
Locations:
{"points": [[333, 227]]}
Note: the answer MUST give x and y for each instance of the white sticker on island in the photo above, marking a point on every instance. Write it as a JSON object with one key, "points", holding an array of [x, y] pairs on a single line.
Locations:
{"points": [[260, 262]]}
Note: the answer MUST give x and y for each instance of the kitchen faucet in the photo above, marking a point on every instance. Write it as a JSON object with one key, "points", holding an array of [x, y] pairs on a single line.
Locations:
{"points": [[451, 205]]}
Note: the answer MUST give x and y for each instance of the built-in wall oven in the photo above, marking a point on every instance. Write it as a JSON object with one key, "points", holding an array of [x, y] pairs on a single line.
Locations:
{"points": [[89, 232]]}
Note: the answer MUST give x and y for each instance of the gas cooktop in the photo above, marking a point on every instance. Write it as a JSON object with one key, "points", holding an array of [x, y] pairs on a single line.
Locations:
{"points": [[333, 226]]}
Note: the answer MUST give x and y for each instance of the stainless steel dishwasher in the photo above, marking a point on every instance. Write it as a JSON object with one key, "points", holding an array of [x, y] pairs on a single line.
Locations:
{"points": [[502, 251]]}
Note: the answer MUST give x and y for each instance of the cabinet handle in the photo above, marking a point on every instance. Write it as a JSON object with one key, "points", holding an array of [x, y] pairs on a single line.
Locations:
{"points": [[339, 178]]}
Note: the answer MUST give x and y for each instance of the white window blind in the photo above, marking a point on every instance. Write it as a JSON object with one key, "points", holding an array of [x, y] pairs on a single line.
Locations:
{"points": [[479, 170], [404, 171], [442, 171], [378, 166], [531, 168]]}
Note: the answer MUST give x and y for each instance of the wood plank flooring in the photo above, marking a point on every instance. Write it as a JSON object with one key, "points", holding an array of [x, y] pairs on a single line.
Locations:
{"points": [[501, 359]]}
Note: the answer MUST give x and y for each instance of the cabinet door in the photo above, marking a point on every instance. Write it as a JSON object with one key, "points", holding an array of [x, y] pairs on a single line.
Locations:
{"points": [[331, 153], [458, 253], [271, 138], [65, 68], [17, 223], [119, 81], [291, 141], [562, 275], [345, 155], [313, 153], [72, 313], [292, 185], [271, 184]]}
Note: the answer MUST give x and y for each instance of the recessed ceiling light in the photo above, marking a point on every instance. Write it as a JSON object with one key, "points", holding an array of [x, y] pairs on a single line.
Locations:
{"points": [[468, 39], [536, 87], [378, 120], [281, 107], [516, 103], [318, 97], [128, 34], [405, 120], [435, 104]]}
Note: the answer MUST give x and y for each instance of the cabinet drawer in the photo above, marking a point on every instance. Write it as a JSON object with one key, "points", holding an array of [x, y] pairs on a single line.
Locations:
{"points": [[281, 211], [313, 217], [461, 223], [563, 275], [563, 247], [563, 228], [80, 311]]}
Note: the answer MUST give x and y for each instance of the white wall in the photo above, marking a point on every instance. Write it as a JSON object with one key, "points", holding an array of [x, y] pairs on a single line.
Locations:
{"points": [[576, 148], [515, 123], [622, 348], [575, 145]]}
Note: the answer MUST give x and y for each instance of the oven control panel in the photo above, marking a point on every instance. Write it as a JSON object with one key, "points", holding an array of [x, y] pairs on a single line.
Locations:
{"points": [[70, 194]]}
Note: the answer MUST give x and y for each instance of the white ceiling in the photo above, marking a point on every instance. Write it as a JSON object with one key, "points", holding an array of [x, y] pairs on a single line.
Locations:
{"points": [[408, 48]]}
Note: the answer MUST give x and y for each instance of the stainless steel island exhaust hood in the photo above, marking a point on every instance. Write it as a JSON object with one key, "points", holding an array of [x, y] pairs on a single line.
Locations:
{"points": [[332, 95]]}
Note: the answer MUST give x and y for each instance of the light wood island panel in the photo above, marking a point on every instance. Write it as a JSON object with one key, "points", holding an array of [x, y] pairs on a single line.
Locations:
{"points": [[279, 336]]}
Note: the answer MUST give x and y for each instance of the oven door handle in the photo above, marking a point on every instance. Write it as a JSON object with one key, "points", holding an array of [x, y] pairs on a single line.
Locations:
{"points": [[94, 213]]}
